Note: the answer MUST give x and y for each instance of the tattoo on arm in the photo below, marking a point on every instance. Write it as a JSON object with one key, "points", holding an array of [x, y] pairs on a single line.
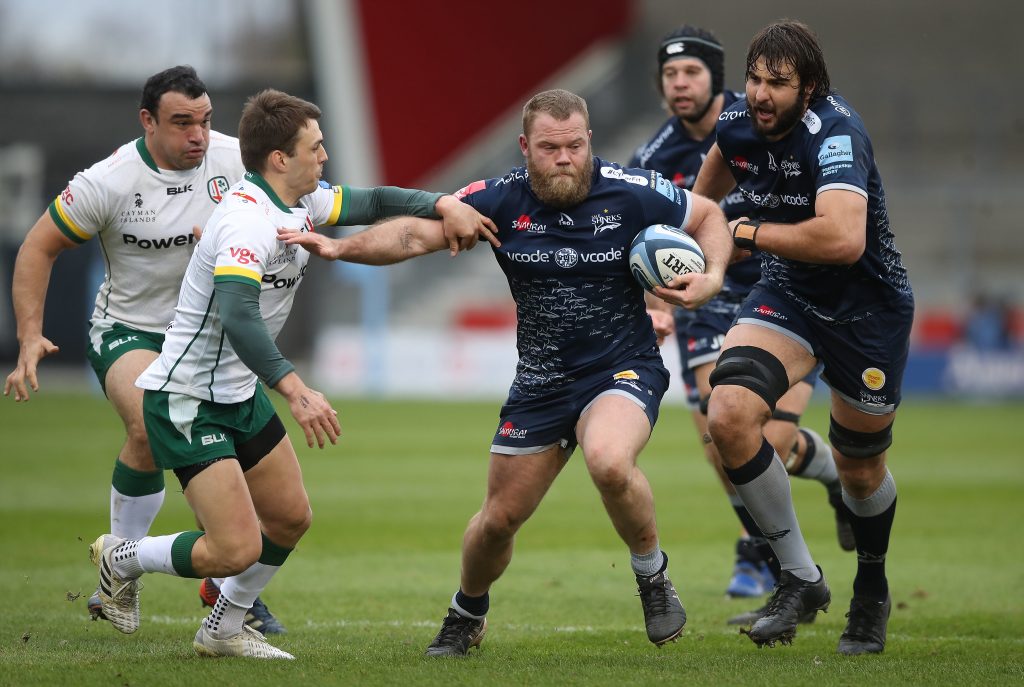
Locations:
{"points": [[405, 240]]}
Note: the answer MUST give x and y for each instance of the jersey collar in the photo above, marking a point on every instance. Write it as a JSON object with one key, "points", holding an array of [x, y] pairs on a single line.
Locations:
{"points": [[255, 178], [140, 145]]}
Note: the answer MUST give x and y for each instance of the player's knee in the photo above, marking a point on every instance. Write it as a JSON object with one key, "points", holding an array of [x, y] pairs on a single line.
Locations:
{"points": [[853, 444], [754, 369], [499, 523], [733, 414], [610, 474]]}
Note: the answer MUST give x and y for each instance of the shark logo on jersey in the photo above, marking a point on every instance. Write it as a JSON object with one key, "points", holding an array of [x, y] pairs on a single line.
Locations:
{"points": [[216, 188], [565, 220], [791, 168], [772, 167], [603, 222]]}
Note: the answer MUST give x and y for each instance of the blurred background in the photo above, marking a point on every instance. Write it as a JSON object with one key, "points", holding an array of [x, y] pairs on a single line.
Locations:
{"points": [[429, 95]]}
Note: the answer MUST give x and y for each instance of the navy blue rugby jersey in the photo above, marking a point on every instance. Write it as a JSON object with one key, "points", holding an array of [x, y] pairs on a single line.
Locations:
{"points": [[829, 149], [678, 157], [580, 311]]}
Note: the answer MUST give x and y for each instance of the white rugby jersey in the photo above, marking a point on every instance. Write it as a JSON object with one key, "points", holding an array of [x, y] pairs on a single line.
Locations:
{"points": [[239, 244], [143, 217]]}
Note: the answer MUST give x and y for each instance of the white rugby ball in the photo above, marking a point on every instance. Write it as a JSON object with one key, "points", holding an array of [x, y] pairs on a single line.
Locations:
{"points": [[660, 253]]}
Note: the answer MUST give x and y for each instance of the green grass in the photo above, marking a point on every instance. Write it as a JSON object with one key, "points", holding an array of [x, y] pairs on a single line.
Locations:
{"points": [[365, 591]]}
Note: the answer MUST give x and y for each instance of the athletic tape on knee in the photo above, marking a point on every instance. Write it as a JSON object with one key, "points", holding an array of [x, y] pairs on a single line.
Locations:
{"points": [[752, 368], [854, 444]]}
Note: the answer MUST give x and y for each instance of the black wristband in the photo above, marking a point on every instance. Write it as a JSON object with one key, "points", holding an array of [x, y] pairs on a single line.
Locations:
{"points": [[744, 234]]}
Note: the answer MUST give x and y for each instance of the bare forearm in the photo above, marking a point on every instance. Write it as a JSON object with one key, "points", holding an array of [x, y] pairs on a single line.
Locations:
{"points": [[392, 241], [28, 289]]}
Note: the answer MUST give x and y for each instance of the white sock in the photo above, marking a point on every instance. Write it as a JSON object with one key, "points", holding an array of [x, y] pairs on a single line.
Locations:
{"points": [[877, 503], [149, 554], [769, 500], [238, 592], [225, 619], [132, 516]]}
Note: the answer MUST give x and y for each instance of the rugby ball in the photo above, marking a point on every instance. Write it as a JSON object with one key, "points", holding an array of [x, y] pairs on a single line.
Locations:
{"points": [[660, 253]]}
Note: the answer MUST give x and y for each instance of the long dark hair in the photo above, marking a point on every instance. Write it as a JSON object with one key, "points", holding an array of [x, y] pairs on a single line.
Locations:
{"points": [[791, 42]]}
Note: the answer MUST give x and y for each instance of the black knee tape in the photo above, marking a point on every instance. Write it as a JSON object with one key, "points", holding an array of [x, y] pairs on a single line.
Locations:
{"points": [[786, 416], [704, 404], [255, 449], [853, 444], [752, 368]]}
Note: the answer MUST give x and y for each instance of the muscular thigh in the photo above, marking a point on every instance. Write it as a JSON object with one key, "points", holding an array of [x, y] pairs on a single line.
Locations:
{"points": [[517, 483], [615, 427], [120, 386], [276, 483]]}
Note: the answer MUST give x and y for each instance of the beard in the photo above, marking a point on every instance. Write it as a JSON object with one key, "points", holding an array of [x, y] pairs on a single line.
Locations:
{"points": [[559, 190], [784, 119], [699, 112]]}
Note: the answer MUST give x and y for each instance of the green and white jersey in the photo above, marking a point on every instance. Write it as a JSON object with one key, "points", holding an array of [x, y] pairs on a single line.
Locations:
{"points": [[143, 217], [239, 244]]}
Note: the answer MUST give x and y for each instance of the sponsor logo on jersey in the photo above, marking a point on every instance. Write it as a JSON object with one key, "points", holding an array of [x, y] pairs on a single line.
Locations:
{"points": [[615, 173], [839, 108], [768, 200], [626, 374], [159, 242], [138, 200], [729, 116], [772, 167], [667, 189], [217, 187], [279, 282], [798, 199], [835, 149], [137, 216], [873, 378], [812, 122], [740, 162], [606, 221], [790, 168], [245, 197], [565, 220], [510, 431], [470, 189], [535, 256], [525, 223], [244, 256], [176, 190], [768, 311]]}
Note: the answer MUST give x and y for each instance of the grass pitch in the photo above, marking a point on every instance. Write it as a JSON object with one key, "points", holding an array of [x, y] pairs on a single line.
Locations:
{"points": [[369, 584]]}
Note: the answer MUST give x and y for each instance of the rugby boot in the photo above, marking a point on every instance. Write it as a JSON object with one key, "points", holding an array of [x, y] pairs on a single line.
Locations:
{"points": [[792, 599]]}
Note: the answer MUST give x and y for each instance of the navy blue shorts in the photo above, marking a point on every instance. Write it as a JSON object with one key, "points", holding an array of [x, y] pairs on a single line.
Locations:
{"points": [[531, 424], [863, 360], [706, 332], [682, 318]]}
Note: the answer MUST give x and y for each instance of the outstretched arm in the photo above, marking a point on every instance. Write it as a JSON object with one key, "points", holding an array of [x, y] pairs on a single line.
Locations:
{"points": [[386, 243]]}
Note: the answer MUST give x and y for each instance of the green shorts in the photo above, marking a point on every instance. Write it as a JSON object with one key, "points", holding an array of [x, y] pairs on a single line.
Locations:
{"points": [[108, 343], [184, 430]]}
